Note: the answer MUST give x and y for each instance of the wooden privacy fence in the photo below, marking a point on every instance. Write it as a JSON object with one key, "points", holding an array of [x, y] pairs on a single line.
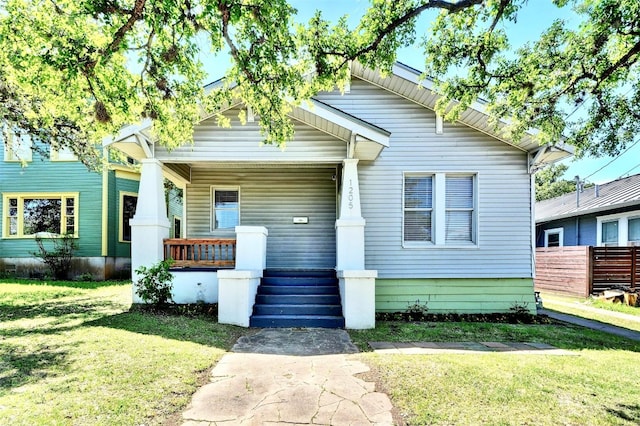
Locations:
{"points": [[188, 252], [584, 270]]}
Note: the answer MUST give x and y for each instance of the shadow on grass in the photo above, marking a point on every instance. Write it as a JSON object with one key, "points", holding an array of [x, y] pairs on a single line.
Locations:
{"points": [[630, 413], [202, 330], [84, 285], [21, 367], [55, 313]]}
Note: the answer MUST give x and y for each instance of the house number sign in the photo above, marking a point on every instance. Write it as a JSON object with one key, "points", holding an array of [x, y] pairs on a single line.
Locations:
{"points": [[350, 196]]}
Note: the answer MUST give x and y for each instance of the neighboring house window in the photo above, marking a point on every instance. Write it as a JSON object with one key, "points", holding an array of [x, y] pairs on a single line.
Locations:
{"points": [[439, 209], [18, 146], [226, 208], [634, 230], [128, 202], [177, 227], [554, 237], [29, 214], [619, 229], [64, 153], [610, 232]]}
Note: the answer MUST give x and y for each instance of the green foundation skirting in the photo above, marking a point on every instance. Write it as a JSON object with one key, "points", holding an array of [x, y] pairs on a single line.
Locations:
{"points": [[460, 295]]}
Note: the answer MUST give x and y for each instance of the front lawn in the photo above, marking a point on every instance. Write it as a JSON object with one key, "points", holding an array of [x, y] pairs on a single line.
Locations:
{"points": [[597, 386], [74, 353]]}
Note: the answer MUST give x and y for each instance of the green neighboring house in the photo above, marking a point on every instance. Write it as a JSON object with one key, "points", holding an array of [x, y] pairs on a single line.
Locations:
{"points": [[52, 194]]}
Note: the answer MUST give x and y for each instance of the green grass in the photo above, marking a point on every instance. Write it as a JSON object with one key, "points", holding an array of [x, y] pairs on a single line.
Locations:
{"points": [[74, 353], [597, 386], [606, 312]]}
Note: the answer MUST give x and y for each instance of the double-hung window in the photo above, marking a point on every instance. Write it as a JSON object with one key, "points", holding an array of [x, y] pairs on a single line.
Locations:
{"points": [[418, 208], [26, 215], [439, 209], [459, 206], [225, 208]]}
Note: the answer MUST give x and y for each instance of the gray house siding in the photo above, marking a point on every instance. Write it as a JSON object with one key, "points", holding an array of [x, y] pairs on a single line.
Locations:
{"points": [[272, 198], [241, 143], [504, 237]]}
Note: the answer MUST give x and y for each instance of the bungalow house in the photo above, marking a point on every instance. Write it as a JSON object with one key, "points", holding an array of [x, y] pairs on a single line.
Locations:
{"points": [[54, 194], [375, 197], [602, 215]]}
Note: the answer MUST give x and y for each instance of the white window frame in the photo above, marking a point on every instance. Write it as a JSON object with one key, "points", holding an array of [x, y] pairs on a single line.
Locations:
{"points": [[212, 200], [623, 226], [18, 149], [559, 231], [20, 196], [61, 154], [439, 211]]}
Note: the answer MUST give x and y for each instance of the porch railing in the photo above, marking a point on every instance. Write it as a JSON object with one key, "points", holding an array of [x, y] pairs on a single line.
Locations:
{"points": [[219, 252]]}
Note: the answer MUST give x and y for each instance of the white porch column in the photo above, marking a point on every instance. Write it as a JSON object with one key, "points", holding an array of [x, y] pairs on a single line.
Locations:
{"points": [[350, 225], [149, 225]]}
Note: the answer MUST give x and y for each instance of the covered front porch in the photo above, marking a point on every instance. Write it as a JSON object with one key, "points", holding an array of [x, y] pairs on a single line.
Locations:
{"points": [[250, 208]]}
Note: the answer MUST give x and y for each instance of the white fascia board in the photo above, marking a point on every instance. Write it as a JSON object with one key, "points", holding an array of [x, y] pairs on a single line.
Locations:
{"points": [[127, 132], [352, 124]]}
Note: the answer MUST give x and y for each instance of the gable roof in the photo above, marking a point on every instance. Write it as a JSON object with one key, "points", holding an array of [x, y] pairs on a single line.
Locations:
{"points": [[370, 140], [404, 80], [600, 198]]}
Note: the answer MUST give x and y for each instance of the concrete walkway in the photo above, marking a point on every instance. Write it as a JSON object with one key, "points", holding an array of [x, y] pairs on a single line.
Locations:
{"points": [[305, 376], [289, 376], [595, 325]]}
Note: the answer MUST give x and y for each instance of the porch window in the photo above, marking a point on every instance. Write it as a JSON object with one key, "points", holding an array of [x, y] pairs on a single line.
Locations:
{"points": [[226, 208], [610, 232], [439, 209], [128, 203], [177, 227], [29, 214]]}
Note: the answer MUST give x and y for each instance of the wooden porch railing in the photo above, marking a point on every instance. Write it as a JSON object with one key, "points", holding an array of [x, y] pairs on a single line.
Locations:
{"points": [[219, 252]]}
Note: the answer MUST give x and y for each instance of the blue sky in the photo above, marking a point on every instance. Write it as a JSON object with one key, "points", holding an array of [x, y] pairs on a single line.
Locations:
{"points": [[533, 19]]}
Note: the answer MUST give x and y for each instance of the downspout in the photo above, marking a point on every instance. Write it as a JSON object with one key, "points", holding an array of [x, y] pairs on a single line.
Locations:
{"points": [[105, 202], [532, 208]]}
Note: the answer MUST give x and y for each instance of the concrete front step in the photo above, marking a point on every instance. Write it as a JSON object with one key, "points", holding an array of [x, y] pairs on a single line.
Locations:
{"points": [[298, 273], [297, 299], [306, 321], [284, 309], [301, 289], [300, 281]]}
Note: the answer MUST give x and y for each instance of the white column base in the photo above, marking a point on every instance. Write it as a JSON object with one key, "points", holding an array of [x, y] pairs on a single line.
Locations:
{"points": [[251, 247], [236, 295], [350, 244], [358, 296]]}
